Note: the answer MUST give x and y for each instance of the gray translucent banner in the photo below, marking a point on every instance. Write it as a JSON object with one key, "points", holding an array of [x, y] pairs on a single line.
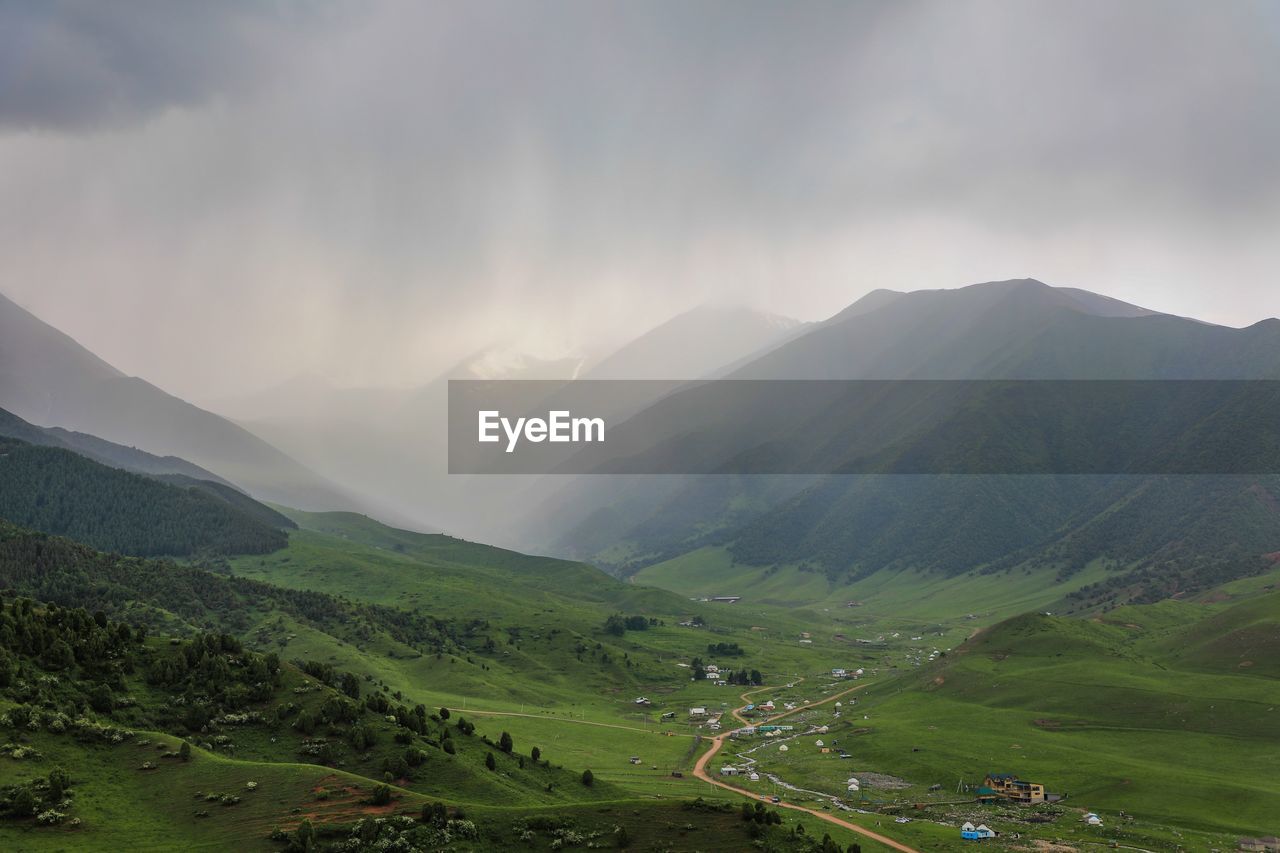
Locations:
{"points": [[865, 427]]}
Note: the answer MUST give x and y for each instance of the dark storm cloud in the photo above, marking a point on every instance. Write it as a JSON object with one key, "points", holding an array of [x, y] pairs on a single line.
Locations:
{"points": [[78, 65], [417, 179]]}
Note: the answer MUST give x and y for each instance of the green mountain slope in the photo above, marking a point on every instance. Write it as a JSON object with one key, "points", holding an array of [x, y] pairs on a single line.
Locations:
{"points": [[1149, 712], [275, 746], [1157, 536], [102, 451]]}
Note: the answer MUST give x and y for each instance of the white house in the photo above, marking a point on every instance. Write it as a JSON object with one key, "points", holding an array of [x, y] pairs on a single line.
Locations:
{"points": [[754, 777], [697, 713], [712, 675], [984, 831], [711, 668], [728, 770], [838, 673]]}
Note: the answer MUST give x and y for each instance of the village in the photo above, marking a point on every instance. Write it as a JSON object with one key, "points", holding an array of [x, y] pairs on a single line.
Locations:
{"points": [[779, 747]]}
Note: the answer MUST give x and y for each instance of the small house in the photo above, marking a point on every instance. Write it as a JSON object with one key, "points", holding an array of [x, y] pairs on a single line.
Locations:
{"points": [[697, 713], [635, 759], [728, 770], [754, 777]]}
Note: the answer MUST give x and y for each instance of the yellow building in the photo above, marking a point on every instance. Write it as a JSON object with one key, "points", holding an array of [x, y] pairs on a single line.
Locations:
{"points": [[1014, 789]]}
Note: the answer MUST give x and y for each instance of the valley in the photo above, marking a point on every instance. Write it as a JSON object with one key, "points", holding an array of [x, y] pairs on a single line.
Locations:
{"points": [[653, 427], [807, 664]]}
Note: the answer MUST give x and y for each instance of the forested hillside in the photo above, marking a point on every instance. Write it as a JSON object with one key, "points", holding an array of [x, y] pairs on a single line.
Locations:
{"points": [[1150, 535], [100, 450], [1161, 535], [61, 492], [69, 677], [162, 594]]}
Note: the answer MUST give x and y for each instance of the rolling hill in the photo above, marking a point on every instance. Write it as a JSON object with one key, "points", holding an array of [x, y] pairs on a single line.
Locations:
{"points": [[1083, 705], [105, 452]]}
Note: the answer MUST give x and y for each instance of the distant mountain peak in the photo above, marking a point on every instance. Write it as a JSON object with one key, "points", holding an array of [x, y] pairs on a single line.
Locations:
{"points": [[696, 343]]}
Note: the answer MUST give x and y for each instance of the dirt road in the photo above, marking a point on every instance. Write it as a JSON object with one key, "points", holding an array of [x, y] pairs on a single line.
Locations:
{"points": [[700, 771]]}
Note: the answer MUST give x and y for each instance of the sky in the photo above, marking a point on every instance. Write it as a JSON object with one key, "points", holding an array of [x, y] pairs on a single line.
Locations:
{"points": [[218, 196]]}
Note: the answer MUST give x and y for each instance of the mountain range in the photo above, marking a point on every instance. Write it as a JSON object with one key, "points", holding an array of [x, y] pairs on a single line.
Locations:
{"points": [[1152, 535], [1157, 536]]}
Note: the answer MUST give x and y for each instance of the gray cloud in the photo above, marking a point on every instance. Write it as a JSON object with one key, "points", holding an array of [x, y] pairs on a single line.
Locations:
{"points": [[375, 189], [71, 66]]}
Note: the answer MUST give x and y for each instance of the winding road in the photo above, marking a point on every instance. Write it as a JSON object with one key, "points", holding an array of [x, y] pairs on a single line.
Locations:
{"points": [[700, 769]]}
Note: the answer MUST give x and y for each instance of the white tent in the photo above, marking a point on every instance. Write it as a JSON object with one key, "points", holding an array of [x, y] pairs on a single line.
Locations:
{"points": [[754, 777], [968, 827], [853, 787], [817, 743], [782, 748]]}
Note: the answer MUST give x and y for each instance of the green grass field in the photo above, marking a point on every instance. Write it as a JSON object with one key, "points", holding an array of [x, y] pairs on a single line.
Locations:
{"points": [[1165, 712]]}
